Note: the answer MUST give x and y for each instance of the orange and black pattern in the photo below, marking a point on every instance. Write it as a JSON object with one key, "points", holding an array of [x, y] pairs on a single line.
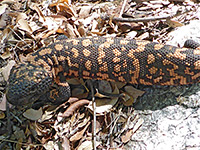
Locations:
{"points": [[111, 59]]}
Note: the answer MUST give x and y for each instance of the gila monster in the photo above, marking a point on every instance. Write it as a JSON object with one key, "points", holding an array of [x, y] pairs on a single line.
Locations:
{"points": [[44, 73]]}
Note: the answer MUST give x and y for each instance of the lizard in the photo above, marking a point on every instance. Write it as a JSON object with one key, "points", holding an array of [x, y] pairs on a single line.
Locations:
{"points": [[44, 74]]}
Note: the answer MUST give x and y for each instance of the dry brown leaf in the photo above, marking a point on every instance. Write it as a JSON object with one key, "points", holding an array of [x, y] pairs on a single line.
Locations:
{"points": [[84, 122], [173, 23], [63, 7], [35, 7], [37, 128], [85, 11], [124, 27], [87, 145], [3, 103], [6, 55], [23, 25], [65, 144], [133, 123], [2, 115], [105, 86], [72, 100], [72, 108], [118, 84], [7, 1], [133, 91], [139, 121], [77, 91], [51, 145], [27, 131], [4, 20], [79, 134], [71, 33], [53, 31], [105, 105], [131, 95], [74, 118], [143, 36], [82, 30], [46, 116], [127, 136], [74, 81], [131, 34], [34, 26], [7, 68], [3, 8], [6, 33], [20, 16], [19, 143], [33, 114], [81, 116], [128, 100]]}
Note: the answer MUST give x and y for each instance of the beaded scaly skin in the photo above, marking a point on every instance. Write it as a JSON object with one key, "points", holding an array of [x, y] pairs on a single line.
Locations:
{"points": [[44, 74]]}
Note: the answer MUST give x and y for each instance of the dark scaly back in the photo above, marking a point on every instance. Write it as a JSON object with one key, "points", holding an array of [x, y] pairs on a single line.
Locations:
{"points": [[111, 59], [119, 59]]}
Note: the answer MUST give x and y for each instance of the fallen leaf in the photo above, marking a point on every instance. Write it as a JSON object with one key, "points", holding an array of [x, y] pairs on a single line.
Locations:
{"points": [[3, 103], [173, 23], [7, 68], [118, 84], [74, 81], [20, 16], [33, 114], [52, 145], [65, 144], [23, 25], [35, 7], [86, 145], [3, 8], [105, 105], [2, 115], [46, 116], [78, 135], [72, 100], [19, 143], [124, 27], [127, 136], [64, 8], [85, 11], [132, 95], [77, 91], [84, 122], [104, 86], [72, 108]]}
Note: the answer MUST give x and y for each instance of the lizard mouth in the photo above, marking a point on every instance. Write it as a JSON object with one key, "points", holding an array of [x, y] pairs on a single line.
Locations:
{"points": [[22, 100]]}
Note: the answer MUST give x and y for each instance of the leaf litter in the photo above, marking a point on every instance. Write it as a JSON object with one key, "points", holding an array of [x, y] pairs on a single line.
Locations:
{"points": [[26, 26]]}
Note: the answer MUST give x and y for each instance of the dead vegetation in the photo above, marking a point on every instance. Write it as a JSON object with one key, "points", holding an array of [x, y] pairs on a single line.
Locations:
{"points": [[29, 25]]}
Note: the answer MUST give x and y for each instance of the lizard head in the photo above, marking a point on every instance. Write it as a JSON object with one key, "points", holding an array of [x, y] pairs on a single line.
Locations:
{"points": [[27, 83]]}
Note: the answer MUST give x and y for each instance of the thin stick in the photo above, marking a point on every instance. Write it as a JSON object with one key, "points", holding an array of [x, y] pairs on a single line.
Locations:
{"points": [[122, 10], [141, 19], [94, 115]]}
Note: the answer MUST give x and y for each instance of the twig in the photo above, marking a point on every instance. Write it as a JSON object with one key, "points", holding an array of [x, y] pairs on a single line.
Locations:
{"points": [[141, 19], [9, 127], [19, 37], [135, 20], [122, 10], [25, 144], [94, 115]]}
